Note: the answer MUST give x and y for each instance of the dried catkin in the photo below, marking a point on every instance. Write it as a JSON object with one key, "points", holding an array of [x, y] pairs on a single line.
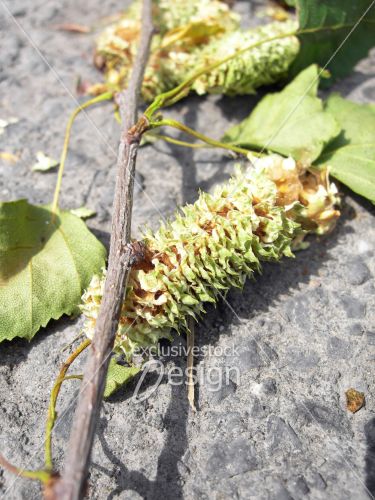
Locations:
{"points": [[261, 214], [192, 35]]}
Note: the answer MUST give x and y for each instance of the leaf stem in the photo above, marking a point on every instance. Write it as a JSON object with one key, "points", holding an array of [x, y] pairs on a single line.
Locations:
{"points": [[106, 96], [39, 475], [52, 414], [172, 140], [212, 142]]}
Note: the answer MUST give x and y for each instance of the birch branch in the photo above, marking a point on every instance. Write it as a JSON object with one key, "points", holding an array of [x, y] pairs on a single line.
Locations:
{"points": [[72, 484]]}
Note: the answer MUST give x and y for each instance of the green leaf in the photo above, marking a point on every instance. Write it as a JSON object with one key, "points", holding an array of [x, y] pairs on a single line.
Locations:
{"points": [[43, 163], [83, 212], [351, 156], [291, 122], [118, 376], [330, 22], [44, 266]]}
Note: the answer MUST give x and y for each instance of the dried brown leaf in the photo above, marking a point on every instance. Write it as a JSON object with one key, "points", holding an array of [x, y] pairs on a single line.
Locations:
{"points": [[8, 157], [355, 400], [72, 27]]}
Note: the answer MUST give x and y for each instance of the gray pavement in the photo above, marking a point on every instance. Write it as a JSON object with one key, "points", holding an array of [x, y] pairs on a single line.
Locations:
{"points": [[290, 344]]}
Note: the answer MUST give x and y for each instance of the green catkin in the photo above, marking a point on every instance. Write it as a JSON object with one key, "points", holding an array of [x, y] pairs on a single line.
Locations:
{"points": [[261, 214], [262, 65], [194, 35]]}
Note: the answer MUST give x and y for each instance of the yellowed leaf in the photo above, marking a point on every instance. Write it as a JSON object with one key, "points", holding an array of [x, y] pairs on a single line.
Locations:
{"points": [[9, 157]]}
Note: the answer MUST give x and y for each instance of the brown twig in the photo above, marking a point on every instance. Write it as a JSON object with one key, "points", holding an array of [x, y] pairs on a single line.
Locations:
{"points": [[73, 481]]}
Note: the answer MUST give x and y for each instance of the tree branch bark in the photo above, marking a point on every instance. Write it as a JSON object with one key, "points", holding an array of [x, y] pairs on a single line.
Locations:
{"points": [[71, 486]]}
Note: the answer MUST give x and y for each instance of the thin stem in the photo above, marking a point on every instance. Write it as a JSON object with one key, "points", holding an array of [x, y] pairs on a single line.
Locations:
{"points": [[212, 142], [73, 377], [67, 346], [106, 96], [172, 140], [39, 475], [52, 414], [117, 116]]}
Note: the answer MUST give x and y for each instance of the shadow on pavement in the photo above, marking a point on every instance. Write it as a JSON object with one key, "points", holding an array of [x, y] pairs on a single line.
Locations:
{"points": [[370, 456]]}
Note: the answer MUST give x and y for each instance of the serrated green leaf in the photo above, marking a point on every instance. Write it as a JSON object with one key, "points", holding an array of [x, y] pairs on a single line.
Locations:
{"points": [[291, 122], [329, 23], [44, 266], [351, 156], [118, 376]]}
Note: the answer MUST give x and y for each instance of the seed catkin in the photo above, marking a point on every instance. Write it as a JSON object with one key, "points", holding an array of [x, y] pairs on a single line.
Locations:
{"points": [[261, 214]]}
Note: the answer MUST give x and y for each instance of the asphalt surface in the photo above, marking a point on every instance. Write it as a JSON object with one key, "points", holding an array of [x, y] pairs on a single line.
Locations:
{"points": [[275, 360]]}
